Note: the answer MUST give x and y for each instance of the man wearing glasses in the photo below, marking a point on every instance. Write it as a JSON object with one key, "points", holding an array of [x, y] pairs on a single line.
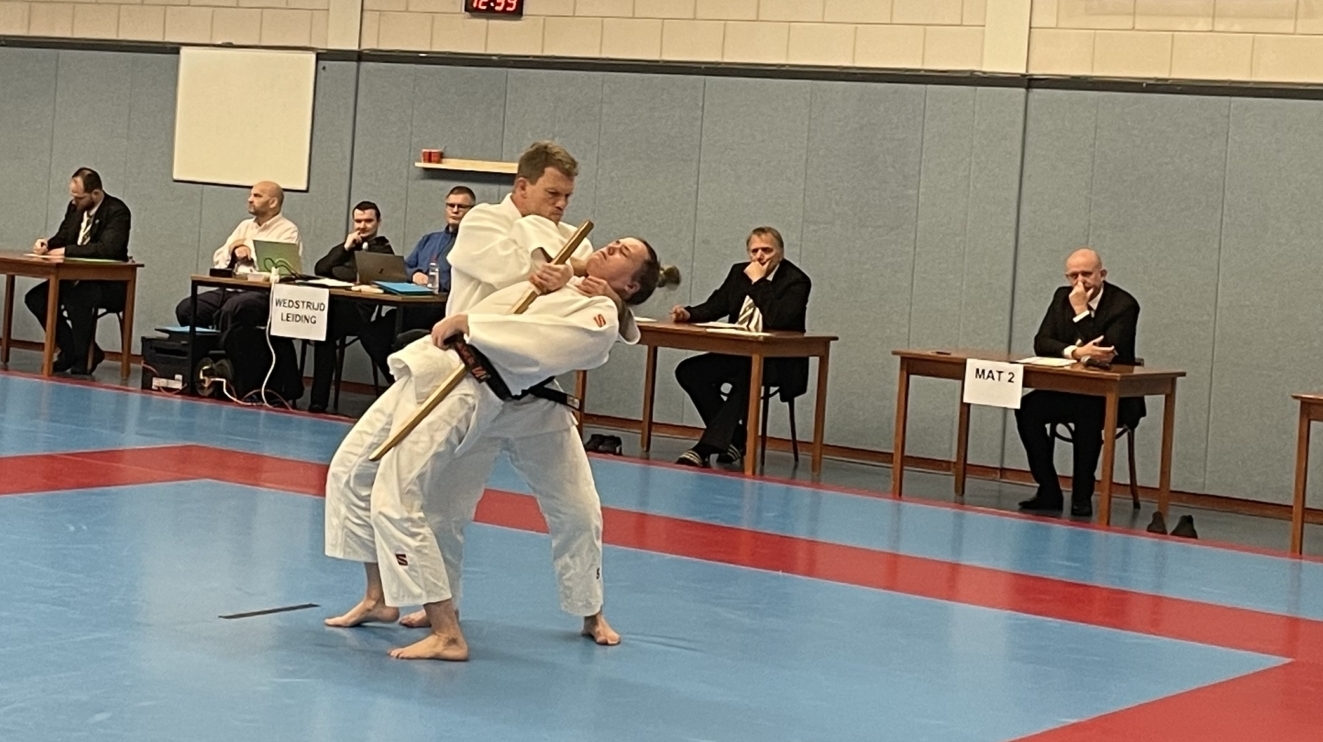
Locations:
{"points": [[429, 256], [435, 247]]}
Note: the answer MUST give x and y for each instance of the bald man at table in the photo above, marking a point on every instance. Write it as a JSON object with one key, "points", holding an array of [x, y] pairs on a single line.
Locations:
{"points": [[1092, 321]]}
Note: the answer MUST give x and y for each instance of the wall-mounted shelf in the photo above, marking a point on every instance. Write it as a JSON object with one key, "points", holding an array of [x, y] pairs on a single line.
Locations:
{"points": [[470, 166]]}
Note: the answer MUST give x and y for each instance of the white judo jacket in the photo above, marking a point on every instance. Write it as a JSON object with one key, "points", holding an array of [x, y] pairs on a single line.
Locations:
{"points": [[561, 332], [494, 249]]}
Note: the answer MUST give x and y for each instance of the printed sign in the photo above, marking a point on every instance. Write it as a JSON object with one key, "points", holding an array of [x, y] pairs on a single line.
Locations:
{"points": [[994, 384], [299, 312]]}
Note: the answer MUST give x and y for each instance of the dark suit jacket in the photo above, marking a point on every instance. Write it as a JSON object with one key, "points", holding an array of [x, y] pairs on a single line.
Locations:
{"points": [[1116, 320], [783, 302], [108, 240], [341, 263]]}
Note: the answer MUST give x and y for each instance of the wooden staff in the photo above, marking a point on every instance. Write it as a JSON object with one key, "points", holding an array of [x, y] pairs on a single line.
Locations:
{"points": [[453, 380]]}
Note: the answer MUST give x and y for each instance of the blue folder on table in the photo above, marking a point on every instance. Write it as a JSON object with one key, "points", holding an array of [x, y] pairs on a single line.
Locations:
{"points": [[404, 288]]}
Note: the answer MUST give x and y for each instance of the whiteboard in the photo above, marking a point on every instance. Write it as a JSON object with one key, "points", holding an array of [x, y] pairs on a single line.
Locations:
{"points": [[243, 116]]}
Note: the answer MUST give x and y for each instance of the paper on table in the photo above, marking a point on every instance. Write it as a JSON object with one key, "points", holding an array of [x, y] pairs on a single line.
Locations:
{"points": [[726, 325], [737, 331], [644, 319], [330, 283], [1048, 361]]}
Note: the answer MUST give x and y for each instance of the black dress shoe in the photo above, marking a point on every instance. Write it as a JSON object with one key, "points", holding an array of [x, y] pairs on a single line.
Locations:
{"points": [[1158, 524], [692, 458], [1185, 528], [594, 441], [732, 455], [1082, 509], [1039, 503], [61, 364], [85, 369], [611, 444]]}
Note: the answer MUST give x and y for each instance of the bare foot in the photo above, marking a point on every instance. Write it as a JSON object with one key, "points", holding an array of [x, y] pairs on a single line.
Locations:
{"points": [[367, 611], [435, 647], [416, 620], [597, 629]]}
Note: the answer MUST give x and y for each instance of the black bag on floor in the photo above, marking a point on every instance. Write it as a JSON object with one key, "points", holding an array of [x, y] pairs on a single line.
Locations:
{"points": [[250, 360]]}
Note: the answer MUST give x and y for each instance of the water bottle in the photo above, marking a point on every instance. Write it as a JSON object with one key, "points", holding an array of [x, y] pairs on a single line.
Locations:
{"points": [[434, 278]]}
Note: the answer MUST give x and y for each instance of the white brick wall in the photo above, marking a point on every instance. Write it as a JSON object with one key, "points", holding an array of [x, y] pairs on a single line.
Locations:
{"points": [[1241, 40], [948, 33], [1254, 40], [292, 23]]}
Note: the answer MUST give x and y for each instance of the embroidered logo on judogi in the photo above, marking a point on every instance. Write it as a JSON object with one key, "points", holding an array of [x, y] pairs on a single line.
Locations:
{"points": [[600, 321], [402, 560]]}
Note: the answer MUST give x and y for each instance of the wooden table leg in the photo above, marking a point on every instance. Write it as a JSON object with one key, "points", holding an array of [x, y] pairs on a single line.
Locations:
{"points": [[820, 412], [752, 420], [1168, 440], [1301, 474], [962, 444], [1109, 460], [898, 441], [126, 332], [9, 320], [649, 392], [581, 391], [52, 316], [193, 361]]}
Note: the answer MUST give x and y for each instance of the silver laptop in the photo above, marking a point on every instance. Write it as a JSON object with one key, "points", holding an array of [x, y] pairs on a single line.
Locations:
{"points": [[377, 266]]}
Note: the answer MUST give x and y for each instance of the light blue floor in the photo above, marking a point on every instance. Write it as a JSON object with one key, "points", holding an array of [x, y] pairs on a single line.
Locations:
{"points": [[111, 632], [48, 417]]}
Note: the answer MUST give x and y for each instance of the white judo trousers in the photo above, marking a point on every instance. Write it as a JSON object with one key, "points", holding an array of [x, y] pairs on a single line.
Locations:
{"points": [[495, 249], [408, 512]]}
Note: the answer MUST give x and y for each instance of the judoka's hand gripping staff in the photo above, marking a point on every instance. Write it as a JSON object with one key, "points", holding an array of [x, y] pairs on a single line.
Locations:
{"points": [[453, 380]]}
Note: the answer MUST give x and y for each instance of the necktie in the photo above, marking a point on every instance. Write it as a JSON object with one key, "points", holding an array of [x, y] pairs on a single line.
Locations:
{"points": [[748, 312], [86, 232]]}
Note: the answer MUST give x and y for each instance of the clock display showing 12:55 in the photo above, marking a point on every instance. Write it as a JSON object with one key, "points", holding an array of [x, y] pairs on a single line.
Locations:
{"points": [[495, 7]]}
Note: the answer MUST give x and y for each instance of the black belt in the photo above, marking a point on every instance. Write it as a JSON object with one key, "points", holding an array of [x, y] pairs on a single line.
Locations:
{"points": [[485, 373]]}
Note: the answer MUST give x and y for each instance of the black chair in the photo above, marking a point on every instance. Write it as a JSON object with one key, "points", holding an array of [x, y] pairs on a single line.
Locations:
{"points": [[105, 312], [1065, 432], [115, 308], [768, 393]]}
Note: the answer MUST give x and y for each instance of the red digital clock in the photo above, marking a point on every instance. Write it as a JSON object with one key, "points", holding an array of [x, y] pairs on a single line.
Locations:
{"points": [[507, 8]]}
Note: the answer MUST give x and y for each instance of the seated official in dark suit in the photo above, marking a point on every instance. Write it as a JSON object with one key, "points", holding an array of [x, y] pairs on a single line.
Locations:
{"points": [[95, 225], [1094, 322], [348, 319], [766, 293]]}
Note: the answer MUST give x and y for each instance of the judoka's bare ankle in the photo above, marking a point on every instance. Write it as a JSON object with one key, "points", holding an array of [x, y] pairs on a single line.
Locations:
{"points": [[596, 628], [368, 610], [419, 620], [445, 641]]}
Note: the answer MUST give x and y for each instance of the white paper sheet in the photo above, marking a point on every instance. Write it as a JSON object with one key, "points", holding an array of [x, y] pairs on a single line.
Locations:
{"points": [[1047, 361]]}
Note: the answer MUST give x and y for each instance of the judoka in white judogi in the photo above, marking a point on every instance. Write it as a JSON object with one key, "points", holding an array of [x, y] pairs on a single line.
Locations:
{"points": [[561, 332], [406, 516], [496, 247]]}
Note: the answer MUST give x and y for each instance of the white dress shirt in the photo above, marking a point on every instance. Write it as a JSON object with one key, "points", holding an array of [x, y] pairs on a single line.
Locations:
{"points": [[1069, 352], [276, 229], [85, 230]]}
